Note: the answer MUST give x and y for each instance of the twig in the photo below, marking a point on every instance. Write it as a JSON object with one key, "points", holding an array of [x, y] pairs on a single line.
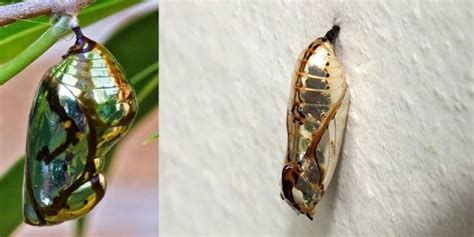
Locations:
{"points": [[28, 9]]}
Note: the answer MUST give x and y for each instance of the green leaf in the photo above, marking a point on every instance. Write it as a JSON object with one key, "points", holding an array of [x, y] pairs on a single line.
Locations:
{"points": [[136, 48], [11, 184], [152, 137], [15, 37], [10, 2]]}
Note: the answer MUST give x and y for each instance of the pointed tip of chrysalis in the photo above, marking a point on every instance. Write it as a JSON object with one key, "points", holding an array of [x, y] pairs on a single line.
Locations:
{"points": [[331, 35]]}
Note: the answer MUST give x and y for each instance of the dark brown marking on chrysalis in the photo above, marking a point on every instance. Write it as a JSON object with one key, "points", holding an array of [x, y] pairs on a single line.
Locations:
{"points": [[98, 189], [298, 112], [82, 45], [292, 171], [90, 112], [60, 201], [53, 101], [306, 56], [311, 151], [288, 157], [96, 127], [289, 179], [68, 157]]}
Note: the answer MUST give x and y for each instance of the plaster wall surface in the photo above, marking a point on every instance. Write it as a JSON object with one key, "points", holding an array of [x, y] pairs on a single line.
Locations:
{"points": [[407, 163]]}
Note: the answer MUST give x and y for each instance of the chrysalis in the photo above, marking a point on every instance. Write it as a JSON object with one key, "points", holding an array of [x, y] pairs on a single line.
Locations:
{"points": [[316, 119], [83, 106]]}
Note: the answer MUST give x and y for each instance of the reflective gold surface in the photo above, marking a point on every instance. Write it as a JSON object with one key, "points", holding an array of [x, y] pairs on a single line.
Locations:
{"points": [[83, 107], [316, 119]]}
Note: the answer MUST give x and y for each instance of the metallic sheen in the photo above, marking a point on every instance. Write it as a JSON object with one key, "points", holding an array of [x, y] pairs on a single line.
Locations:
{"points": [[82, 108], [316, 119]]}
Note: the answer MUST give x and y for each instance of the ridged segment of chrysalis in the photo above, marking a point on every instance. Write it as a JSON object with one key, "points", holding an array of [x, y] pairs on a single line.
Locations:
{"points": [[316, 119], [83, 106]]}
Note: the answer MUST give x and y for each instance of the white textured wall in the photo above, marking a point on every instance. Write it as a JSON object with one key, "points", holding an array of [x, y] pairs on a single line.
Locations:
{"points": [[407, 163]]}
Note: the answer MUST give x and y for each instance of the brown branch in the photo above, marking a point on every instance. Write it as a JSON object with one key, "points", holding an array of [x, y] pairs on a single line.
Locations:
{"points": [[28, 9]]}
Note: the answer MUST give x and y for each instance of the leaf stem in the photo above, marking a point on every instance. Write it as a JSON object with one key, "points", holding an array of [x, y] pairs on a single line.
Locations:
{"points": [[36, 49]]}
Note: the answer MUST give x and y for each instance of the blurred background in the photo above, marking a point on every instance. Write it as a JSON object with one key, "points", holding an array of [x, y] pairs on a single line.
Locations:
{"points": [[130, 205]]}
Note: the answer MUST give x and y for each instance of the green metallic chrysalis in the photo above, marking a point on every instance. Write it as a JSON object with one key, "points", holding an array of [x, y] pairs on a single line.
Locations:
{"points": [[83, 106]]}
